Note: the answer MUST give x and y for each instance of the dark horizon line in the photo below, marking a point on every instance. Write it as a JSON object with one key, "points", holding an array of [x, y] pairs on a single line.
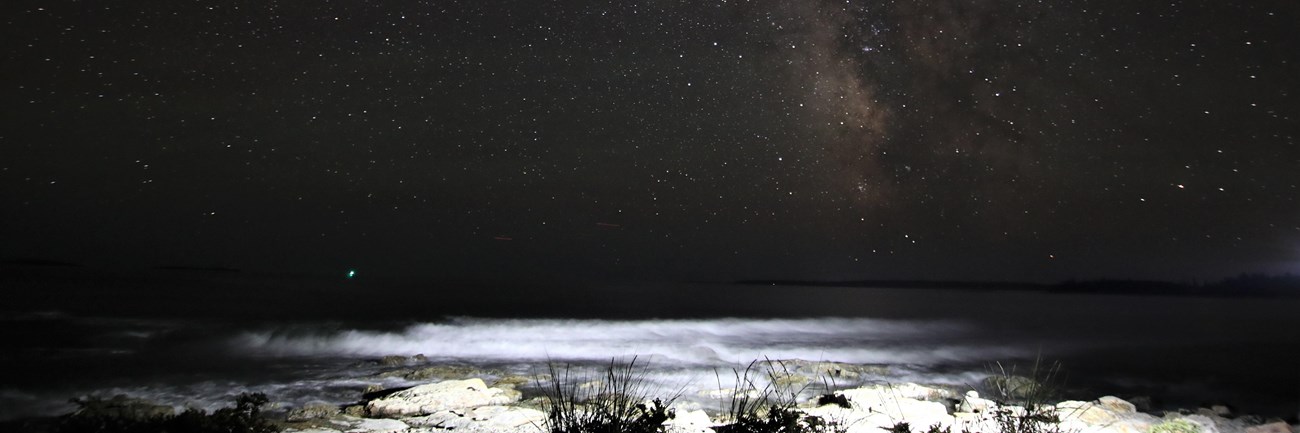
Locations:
{"points": [[1251, 284], [1244, 284]]}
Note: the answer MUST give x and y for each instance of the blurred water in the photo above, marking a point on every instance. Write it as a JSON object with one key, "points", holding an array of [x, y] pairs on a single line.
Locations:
{"points": [[199, 341]]}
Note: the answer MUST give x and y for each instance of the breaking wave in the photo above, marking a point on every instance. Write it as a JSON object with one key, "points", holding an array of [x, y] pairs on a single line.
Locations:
{"points": [[688, 342]]}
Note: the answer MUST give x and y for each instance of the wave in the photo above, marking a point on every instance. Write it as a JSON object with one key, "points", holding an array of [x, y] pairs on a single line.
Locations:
{"points": [[689, 342]]}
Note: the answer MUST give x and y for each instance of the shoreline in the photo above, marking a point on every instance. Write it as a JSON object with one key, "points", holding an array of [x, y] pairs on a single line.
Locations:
{"points": [[448, 397]]}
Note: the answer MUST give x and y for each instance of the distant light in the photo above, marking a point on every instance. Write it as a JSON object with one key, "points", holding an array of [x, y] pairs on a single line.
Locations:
{"points": [[352, 273]]}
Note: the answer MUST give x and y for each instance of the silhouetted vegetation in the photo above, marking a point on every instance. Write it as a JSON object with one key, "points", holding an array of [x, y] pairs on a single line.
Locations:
{"points": [[903, 284], [771, 406], [1035, 394], [1251, 285], [1259, 284], [100, 416], [905, 427], [617, 402], [836, 399]]}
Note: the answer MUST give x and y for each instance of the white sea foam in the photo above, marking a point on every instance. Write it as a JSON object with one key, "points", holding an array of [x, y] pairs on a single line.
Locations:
{"points": [[688, 342]]}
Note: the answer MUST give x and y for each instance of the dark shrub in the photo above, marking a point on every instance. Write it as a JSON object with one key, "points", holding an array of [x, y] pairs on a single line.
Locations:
{"points": [[244, 417]]}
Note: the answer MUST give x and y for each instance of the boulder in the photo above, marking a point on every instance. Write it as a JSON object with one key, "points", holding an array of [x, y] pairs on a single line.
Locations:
{"points": [[1107, 414], [974, 422], [972, 403], [392, 360], [357, 410], [725, 394], [820, 371], [1116, 404], [349, 424], [442, 396], [442, 372], [445, 420], [377, 426], [856, 420], [505, 416], [483, 419], [514, 381], [311, 411], [1273, 427], [1207, 424], [694, 421], [1010, 387], [921, 392], [1091, 414], [1212, 423], [898, 404]]}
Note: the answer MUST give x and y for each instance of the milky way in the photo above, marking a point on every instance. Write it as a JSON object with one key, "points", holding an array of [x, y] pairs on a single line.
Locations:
{"points": [[659, 139]]}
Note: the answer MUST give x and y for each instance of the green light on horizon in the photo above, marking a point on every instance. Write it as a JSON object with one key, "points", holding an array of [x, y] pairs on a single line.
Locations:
{"points": [[352, 273]]}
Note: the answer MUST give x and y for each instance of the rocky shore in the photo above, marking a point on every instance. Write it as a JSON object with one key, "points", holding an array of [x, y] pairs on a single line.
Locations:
{"points": [[461, 399], [472, 406], [458, 399]]}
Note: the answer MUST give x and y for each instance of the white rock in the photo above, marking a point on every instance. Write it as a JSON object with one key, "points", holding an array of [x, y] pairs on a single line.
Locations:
{"points": [[484, 418], [349, 424], [974, 422], [1117, 404], [447, 420], [1207, 424], [693, 421], [1106, 415], [1275, 427], [377, 426], [692, 417], [1088, 413], [852, 420], [914, 391], [441, 396], [506, 416], [897, 404], [972, 403]]}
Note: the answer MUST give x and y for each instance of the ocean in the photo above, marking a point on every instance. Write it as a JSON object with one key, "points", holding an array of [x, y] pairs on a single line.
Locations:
{"points": [[197, 339]]}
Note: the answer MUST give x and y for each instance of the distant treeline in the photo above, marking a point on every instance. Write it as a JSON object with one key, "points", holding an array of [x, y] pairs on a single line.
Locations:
{"points": [[1240, 285], [903, 284], [1255, 285]]}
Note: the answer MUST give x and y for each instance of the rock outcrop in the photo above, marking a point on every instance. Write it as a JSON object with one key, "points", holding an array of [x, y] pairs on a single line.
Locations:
{"points": [[471, 406], [503, 419], [442, 396], [880, 407], [691, 421], [349, 424], [312, 411], [972, 403], [1273, 427], [1108, 414]]}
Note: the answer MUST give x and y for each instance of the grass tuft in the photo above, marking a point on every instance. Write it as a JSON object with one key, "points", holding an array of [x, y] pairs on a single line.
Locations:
{"points": [[1032, 395], [766, 402], [619, 401], [1176, 426]]}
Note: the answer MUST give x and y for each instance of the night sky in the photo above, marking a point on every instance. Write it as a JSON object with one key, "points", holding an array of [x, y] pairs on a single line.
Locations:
{"points": [[655, 140]]}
